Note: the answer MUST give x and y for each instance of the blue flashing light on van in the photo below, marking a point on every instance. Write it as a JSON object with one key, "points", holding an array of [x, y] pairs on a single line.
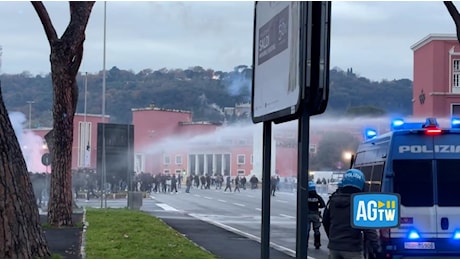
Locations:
{"points": [[420, 161]]}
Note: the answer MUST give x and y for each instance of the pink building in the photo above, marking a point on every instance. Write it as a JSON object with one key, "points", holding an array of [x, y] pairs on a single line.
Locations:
{"points": [[436, 87], [84, 140]]}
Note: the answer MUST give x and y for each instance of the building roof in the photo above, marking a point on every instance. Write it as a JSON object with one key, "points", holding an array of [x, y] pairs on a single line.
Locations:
{"points": [[200, 123], [92, 115], [433, 37], [152, 107]]}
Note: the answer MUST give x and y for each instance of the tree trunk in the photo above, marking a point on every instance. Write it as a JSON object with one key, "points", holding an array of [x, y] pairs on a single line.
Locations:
{"points": [[65, 58], [60, 207], [20, 230]]}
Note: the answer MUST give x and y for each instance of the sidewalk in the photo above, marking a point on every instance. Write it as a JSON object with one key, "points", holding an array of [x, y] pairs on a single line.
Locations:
{"points": [[222, 243]]}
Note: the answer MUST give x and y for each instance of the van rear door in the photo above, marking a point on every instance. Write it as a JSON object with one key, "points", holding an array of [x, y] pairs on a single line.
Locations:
{"points": [[412, 165], [447, 199]]}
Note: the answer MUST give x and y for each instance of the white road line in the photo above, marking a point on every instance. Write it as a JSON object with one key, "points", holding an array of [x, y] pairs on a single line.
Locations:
{"points": [[258, 209], [222, 200], [209, 198], [166, 207], [286, 216], [196, 195], [249, 196], [239, 204], [250, 236], [282, 201]]}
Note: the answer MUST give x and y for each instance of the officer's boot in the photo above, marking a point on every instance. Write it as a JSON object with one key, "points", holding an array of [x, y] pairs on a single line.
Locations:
{"points": [[317, 241]]}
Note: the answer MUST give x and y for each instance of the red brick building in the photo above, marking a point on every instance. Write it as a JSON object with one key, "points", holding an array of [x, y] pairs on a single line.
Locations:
{"points": [[436, 85]]}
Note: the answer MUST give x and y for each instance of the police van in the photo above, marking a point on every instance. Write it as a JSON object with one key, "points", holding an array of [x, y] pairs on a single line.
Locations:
{"points": [[420, 162]]}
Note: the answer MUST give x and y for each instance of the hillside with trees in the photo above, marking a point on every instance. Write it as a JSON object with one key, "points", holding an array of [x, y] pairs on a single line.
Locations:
{"points": [[205, 92]]}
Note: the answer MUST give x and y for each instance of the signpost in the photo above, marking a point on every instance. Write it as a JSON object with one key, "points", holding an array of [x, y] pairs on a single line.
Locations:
{"points": [[290, 81], [46, 159], [276, 91]]}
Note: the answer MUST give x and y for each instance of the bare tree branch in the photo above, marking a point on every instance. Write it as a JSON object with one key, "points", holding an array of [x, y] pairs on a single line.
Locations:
{"points": [[46, 21], [455, 16], [77, 27]]}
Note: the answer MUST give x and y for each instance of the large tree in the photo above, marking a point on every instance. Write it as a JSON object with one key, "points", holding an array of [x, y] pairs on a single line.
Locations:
{"points": [[66, 56], [21, 235]]}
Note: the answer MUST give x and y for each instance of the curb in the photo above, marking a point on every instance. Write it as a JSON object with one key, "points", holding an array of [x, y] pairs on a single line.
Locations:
{"points": [[83, 235]]}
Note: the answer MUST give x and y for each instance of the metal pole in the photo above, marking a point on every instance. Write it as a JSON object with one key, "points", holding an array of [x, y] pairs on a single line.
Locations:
{"points": [[266, 161], [86, 91], [302, 185], [303, 136], [103, 174], [30, 113]]}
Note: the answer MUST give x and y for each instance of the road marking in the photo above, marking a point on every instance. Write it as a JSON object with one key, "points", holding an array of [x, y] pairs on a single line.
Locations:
{"points": [[166, 207], [282, 201], [196, 195], [286, 216], [258, 209], [250, 236], [209, 198], [250, 196], [222, 200], [239, 204]]}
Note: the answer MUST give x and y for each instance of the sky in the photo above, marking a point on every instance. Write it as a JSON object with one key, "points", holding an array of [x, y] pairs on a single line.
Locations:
{"points": [[373, 38]]}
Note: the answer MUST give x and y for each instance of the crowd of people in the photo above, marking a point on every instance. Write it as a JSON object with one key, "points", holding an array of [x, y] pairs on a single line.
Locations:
{"points": [[344, 240]]}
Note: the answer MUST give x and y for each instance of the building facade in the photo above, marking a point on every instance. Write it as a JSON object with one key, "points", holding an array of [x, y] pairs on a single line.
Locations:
{"points": [[436, 84], [84, 144]]}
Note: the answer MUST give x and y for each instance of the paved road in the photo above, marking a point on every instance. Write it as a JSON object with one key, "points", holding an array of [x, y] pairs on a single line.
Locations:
{"points": [[238, 212]]}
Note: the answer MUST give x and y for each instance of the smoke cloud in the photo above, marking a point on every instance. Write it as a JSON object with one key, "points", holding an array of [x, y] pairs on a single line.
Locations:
{"points": [[31, 144]]}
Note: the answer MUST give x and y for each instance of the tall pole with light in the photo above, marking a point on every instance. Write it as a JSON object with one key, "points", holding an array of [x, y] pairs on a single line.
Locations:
{"points": [[103, 174], [30, 113], [87, 131]]}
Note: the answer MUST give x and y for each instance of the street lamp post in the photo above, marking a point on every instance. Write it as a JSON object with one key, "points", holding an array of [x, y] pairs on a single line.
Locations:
{"points": [[30, 113], [103, 173]]}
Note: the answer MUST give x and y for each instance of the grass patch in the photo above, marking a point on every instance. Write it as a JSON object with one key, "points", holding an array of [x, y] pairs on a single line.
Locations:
{"points": [[56, 256], [123, 233]]}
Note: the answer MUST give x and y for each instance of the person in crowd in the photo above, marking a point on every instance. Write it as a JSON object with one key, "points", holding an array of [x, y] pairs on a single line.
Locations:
{"points": [[197, 181], [179, 180], [243, 182], [273, 184], [203, 182], [188, 183], [173, 183], [277, 182], [254, 181], [237, 183], [228, 183], [344, 240], [208, 182]]}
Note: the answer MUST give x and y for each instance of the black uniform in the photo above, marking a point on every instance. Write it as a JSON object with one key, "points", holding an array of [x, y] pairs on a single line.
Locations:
{"points": [[315, 202], [345, 241]]}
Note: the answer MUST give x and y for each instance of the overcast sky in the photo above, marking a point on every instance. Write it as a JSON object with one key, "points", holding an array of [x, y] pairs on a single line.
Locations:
{"points": [[373, 38]]}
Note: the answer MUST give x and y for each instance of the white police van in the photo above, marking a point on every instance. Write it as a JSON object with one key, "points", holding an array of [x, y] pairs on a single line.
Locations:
{"points": [[420, 162]]}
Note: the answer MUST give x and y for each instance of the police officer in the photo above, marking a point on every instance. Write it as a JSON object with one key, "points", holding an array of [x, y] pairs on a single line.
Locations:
{"points": [[345, 241], [315, 202]]}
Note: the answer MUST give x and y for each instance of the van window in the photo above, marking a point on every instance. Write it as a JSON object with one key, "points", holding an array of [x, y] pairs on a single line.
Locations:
{"points": [[373, 175], [413, 180], [376, 180], [367, 171], [448, 181]]}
